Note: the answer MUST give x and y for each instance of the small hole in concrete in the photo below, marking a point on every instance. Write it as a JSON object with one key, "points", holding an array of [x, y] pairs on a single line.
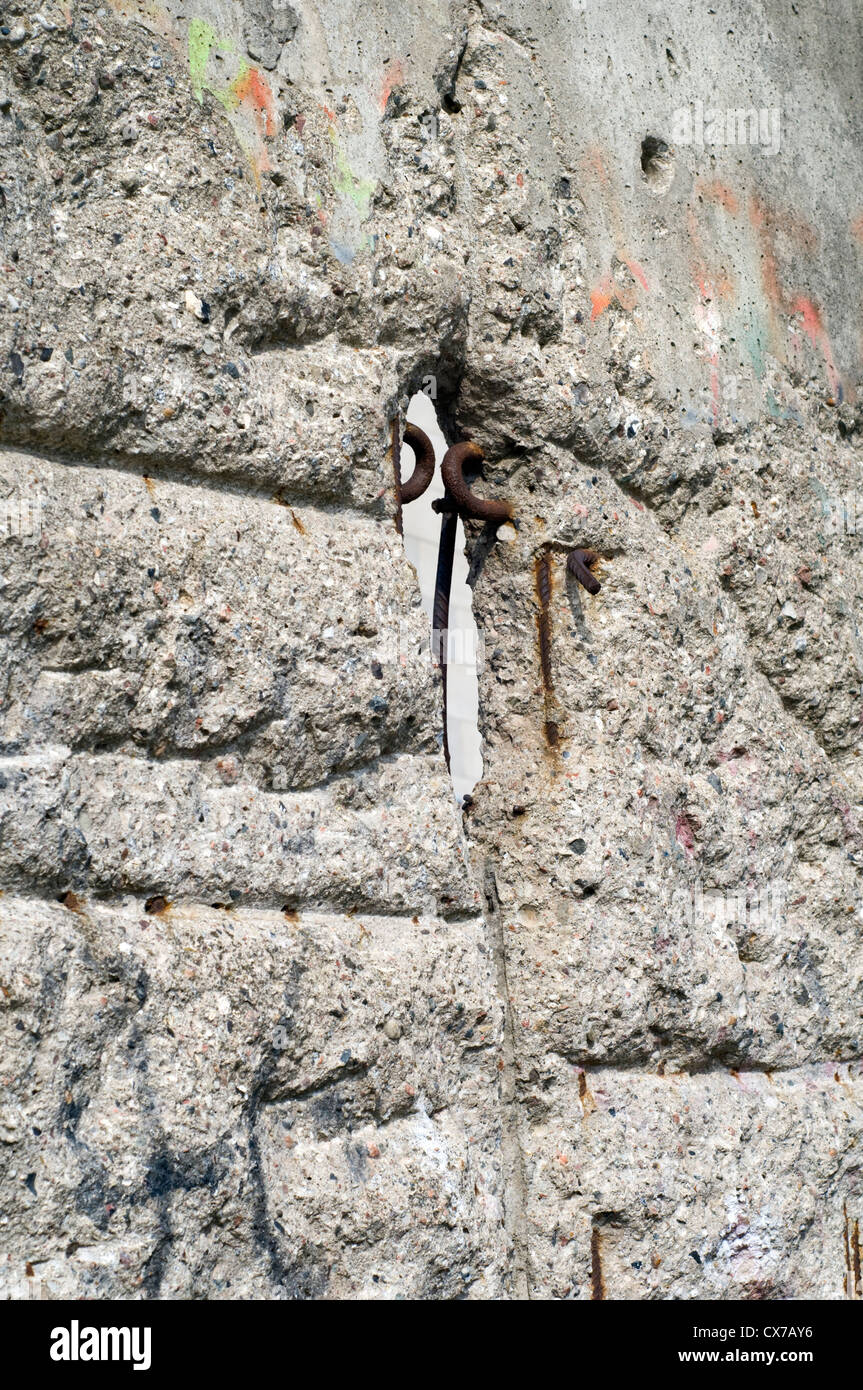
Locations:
{"points": [[657, 162], [421, 530]]}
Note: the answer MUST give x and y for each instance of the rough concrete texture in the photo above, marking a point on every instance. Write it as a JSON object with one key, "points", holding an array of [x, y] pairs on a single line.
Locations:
{"points": [[279, 1021]]}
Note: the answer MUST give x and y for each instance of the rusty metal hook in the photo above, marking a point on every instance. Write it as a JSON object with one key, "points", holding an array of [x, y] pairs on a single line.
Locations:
{"points": [[466, 503], [423, 472], [578, 563]]}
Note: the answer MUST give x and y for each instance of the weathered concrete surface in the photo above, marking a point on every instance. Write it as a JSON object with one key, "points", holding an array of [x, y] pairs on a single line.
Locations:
{"points": [[275, 1022], [232, 1103], [691, 742]]}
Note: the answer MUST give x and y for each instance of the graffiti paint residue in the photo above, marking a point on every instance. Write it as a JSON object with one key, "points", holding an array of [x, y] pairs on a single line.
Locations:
{"points": [[346, 182], [247, 97], [253, 91]]}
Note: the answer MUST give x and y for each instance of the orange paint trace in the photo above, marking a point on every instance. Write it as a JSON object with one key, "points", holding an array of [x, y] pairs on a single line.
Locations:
{"points": [[715, 191], [637, 273], [815, 331], [595, 164], [253, 91], [595, 171], [600, 298], [769, 266], [766, 222], [393, 77], [608, 291]]}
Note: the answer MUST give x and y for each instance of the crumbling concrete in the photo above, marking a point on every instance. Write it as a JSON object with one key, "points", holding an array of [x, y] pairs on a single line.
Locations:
{"points": [[278, 1021]]}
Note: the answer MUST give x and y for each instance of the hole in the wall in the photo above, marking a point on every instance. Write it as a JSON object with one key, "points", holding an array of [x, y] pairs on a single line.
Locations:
{"points": [[421, 530], [657, 163]]}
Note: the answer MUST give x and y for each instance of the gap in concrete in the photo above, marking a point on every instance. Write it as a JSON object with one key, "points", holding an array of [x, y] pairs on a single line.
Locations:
{"points": [[421, 531]]}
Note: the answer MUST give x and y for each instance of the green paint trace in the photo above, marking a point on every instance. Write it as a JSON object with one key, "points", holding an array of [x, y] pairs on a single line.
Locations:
{"points": [[202, 39], [346, 182]]}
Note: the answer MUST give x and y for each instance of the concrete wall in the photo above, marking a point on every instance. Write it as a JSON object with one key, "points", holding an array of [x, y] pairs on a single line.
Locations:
{"points": [[278, 1020]]}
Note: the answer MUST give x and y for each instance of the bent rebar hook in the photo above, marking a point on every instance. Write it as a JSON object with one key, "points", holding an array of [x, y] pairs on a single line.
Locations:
{"points": [[423, 472], [578, 563], [466, 504]]}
